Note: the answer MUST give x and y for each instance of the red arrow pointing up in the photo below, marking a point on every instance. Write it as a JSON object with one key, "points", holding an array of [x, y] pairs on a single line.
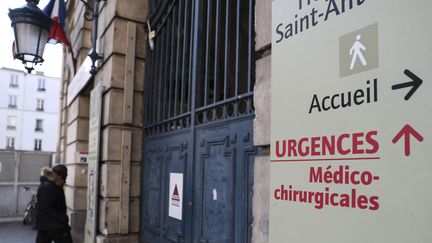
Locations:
{"points": [[406, 131]]}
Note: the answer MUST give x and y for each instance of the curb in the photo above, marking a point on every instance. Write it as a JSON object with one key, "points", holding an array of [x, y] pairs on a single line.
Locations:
{"points": [[10, 219]]}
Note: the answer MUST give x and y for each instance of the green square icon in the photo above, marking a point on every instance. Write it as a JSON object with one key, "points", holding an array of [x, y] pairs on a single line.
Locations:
{"points": [[358, 51]]}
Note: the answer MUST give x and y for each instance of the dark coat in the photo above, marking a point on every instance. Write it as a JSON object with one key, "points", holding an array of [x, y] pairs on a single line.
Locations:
{"points": [[51, 202]]}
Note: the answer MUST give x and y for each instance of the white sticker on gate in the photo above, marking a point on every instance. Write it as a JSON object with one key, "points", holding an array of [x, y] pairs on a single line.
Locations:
{"points": [[176, 196]]}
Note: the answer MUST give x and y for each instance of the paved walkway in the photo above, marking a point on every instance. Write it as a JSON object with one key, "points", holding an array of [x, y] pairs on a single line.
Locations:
{"points": [[13, 231]]}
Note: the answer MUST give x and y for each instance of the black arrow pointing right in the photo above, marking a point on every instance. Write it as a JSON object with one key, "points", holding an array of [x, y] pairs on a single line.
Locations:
{"points": [[415, 84]]}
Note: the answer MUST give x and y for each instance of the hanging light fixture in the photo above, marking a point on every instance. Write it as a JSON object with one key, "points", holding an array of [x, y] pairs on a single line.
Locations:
{"points": [[92, 14], [31, 28]]}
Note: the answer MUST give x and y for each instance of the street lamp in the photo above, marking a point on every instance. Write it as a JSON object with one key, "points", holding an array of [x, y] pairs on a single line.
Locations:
{"points": [[92, 14], [31, 28]]}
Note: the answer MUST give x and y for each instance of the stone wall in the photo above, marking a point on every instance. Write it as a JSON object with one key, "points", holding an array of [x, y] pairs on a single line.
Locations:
{"points": [[262, 94], [74, 121], [121, 40]]}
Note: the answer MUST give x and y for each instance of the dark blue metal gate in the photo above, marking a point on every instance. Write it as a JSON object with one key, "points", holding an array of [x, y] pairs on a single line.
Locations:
{"points": [[198, 111]]}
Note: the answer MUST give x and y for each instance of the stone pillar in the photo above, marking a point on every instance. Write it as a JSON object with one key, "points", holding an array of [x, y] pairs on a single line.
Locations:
{"points": [[77, 143], [74, 124], [262, 92], [122, 39]]}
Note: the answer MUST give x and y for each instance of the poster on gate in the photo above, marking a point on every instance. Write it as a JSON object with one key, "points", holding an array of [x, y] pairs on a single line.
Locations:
{"points": [[175, 206]]}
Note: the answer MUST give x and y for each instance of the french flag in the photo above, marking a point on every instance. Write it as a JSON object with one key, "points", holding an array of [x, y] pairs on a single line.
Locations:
{"points": [[56, 9]]}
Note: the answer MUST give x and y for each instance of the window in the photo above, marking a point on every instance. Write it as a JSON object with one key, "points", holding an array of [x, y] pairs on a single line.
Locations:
{"points": [[12, 101], [13, 83], [39, 125], [38, 144], [40, 105], [41, 84], [10, 143], [11, 122]]}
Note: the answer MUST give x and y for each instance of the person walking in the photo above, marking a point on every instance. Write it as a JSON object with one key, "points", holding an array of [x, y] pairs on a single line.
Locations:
{"points": [[52, 223], [356, 52]]}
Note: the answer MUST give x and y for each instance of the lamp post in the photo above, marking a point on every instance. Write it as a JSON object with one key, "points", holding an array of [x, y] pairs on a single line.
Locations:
{"points": [[92, 14], [31, 28]]}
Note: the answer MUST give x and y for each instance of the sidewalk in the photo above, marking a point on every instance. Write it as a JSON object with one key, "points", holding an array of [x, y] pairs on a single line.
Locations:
{"points": [[13, 231]]}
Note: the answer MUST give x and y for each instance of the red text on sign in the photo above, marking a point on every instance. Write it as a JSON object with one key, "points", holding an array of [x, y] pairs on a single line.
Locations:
{"points": [[327, 198], [343, 144], [343, 175]]}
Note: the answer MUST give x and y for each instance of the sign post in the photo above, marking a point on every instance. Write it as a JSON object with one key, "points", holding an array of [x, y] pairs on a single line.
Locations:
{"points": [[93, 163], [351, 121]]}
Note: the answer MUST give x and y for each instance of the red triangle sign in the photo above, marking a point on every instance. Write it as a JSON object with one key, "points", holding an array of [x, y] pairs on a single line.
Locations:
{"points": [[175, 196], [175, 193]]}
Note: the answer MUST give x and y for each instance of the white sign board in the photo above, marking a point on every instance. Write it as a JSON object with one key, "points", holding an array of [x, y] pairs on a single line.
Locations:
{"points": [[80, 80], [92, 159], [175, 206], [351, 121]]}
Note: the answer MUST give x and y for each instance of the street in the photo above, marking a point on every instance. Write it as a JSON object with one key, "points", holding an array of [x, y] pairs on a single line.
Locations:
{"points": [[13, 231]]}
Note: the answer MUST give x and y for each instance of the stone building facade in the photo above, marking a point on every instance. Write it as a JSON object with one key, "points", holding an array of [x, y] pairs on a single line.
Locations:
{"points": [[122, 40]]}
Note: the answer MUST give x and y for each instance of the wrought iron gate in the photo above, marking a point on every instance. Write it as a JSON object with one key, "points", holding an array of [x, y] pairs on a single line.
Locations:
{"points": [[198, 111]]}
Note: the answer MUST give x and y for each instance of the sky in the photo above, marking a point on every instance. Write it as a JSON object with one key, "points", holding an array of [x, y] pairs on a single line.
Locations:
{"points": [[52, 55]]}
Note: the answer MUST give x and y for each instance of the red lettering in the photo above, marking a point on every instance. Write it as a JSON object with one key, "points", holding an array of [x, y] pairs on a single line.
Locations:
{"points": [[315, 177], [338, 175], [344, 202], [300, 147], [332, 199], [328, 176], [328, 145], [327, 196], [362, 202], [278, 153], [353, 198], [340, 143], [310, 197], [303, 196], [290, 193], [370, 140], [343, 144], [319, 200], [284, 193], [295, 195], [374, 202], [353, 177], [276, 192], [292, 147], [315, 145], [347, 178], [357, 142], [366, 178]]}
